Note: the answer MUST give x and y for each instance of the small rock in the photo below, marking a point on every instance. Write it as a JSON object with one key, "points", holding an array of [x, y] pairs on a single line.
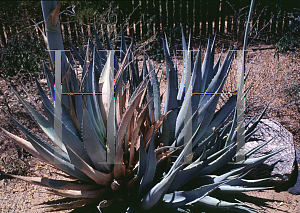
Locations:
{"points": [[280, 166]]}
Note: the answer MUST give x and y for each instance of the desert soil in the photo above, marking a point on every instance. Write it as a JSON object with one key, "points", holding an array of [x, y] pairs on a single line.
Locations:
{"points": [[269, 76]]}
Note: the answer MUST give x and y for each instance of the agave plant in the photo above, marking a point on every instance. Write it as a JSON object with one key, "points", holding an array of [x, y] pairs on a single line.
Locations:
{"points": [[121, 152]]}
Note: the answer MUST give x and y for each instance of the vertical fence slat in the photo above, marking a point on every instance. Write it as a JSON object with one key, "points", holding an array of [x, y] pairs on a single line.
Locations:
{"points": [[229, 18], [203, 17], [76, 38], [177, 14], [234, 20], [150, 17], [268, 17], [131, 18], [144, 12], [262, 17], [157, 16], [183, 15], [163, 14], [190, 16], [243, 19], [170, 15], [136, 18], [223, 12], [216, 17], [210, 15], [197, 18]]}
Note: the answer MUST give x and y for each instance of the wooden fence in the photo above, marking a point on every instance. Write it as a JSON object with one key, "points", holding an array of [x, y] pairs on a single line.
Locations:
{"points": [[204, 17], [200, 17]]}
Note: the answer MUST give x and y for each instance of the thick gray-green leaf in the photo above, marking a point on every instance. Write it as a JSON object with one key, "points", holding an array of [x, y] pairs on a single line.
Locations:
{"points": [[43, 123], [181, 198], [77, 55], [171, 95], [41, 142], [50, 80], [156, 92], [94, 145], [147, 180], [56, 160]]}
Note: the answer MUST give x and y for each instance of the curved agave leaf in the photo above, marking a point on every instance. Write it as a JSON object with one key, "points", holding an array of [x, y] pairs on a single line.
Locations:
{"points": [[94, 145], [217, 66], [110, 47], [246, 183], [254, 125], [147, 180], [207, 110], [184, 111], [205, 67], [195, 169], [77, 55], [136, 130], [68, 138], [220, 161], [50, 79], [142, 159], [134, 72], [211, 63], [119, 75], [80, 194], [171, 96], [77, 98], [41, 142], [67, 206], [65, 117], [81, 50], [56, 160], [181, 198], [92, 101], [41, 122], [100, 47], [180, 95], [200, 147], [56, 184], [24, 144], [155, 195], [196, 81], [239, 189], [219, 79], [123, 49], [128, 114], [96, 60], [212, 202], [221, 116], [54, 38], [156, 91], [258, 147]]}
